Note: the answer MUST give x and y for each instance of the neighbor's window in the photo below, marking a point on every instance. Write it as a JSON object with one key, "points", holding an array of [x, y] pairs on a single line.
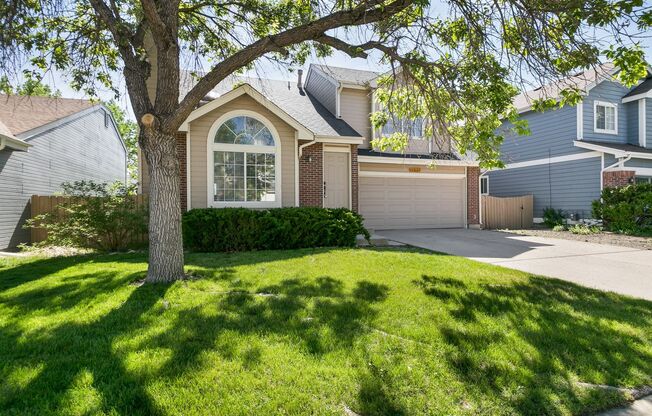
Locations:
{"points": [[484, 185], [244, 163], [606, 117], [643, 179]]}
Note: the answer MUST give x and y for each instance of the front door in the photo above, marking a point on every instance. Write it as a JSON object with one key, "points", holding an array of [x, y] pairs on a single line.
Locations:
{"points": [[336, 180]]}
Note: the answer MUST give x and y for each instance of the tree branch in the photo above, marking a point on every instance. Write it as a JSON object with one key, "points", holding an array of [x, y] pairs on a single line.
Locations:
{"points": [[360, 15]]}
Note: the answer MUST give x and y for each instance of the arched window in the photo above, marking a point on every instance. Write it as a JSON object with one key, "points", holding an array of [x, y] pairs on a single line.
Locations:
{"points": [[245, 161]]}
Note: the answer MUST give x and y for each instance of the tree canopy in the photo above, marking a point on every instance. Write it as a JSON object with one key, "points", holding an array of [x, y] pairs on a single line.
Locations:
{"points": [[462, 61]]}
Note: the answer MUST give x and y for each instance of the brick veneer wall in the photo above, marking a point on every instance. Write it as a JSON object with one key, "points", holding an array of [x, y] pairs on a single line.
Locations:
{"points": [[473, 195], [181, 155], [311, 176], [354, 177], [617, 178]]}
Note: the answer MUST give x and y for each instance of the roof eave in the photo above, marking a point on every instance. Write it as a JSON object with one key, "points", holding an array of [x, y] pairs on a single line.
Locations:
{"points": [[13, 143]]}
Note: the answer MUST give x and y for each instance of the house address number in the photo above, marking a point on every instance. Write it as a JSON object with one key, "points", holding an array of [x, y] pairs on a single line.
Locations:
{"points": [[414, 170]]}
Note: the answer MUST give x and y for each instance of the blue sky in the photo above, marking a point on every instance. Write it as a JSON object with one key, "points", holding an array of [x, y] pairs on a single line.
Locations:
{"points": [[265, 69]]}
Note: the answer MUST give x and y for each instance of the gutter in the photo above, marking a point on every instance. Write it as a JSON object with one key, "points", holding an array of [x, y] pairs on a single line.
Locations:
{"points": [[310, 143]]}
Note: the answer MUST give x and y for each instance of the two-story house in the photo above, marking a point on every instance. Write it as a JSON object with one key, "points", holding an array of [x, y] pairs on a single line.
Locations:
{"points": [[574, 152], [262, 143], [47, 141]]}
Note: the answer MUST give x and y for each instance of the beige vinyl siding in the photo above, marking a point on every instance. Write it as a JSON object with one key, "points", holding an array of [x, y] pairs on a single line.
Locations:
{"points": [[355, 108], [199, 129]]}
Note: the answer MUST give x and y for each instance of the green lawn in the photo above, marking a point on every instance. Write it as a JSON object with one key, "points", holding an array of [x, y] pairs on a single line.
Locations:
{"points": [[310, 332]]}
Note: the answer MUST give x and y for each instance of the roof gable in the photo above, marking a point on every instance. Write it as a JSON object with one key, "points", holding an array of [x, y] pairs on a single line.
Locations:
{"points": [[294, 105]]}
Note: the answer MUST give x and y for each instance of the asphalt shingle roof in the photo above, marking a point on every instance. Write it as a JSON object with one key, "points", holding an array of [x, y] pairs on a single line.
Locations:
{"points": [[21, 114], [642, 88], [351, 76], [296, 102], [582, 81]]}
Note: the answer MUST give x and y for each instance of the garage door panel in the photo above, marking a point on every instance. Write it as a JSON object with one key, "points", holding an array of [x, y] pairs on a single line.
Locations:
{"points": [[387, 203]]}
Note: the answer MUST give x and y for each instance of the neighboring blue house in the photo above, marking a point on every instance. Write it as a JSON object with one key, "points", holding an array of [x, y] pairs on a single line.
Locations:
{"points": [[574, 152], [45, 142]]}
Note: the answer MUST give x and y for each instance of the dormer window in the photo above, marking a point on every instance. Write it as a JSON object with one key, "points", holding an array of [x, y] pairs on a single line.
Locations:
{"points": [[606, 117]]}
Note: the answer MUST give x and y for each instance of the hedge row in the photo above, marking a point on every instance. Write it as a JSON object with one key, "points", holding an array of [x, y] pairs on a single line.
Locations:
{"points": [[241, 229]]}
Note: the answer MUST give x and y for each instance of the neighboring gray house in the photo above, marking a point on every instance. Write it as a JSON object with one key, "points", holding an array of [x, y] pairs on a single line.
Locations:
{"points": [[575, 152], [45, 142]]}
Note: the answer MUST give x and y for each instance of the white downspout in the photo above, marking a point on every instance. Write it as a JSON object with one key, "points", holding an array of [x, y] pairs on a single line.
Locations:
{"points": [[338, 101]]}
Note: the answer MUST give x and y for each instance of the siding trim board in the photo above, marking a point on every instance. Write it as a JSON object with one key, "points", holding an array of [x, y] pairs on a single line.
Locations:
{"points": [[641, 124], [580, 120]]}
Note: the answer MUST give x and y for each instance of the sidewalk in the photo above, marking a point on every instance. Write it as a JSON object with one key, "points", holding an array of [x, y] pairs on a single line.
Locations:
{"points": [[642, 407]]}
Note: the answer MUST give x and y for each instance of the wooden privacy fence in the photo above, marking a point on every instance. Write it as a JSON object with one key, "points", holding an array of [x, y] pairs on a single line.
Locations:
{"points": [[510, 212], [43, 204]]}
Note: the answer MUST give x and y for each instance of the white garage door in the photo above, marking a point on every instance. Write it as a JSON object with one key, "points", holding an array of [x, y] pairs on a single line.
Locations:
{"points": [[389, 202]]}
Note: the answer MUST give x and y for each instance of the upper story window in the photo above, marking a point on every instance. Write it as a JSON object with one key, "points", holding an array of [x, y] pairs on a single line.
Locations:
{"points": [[606, 117], [245, 159]]}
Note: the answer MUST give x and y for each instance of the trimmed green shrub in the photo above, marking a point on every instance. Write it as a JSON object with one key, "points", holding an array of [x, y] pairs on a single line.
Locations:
{"points": [[553, 217], [559, 228], [242, 229], [626, 210]]}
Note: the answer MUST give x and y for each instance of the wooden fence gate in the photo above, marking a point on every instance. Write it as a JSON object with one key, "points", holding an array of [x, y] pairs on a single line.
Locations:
{"points": [[510, 212]]}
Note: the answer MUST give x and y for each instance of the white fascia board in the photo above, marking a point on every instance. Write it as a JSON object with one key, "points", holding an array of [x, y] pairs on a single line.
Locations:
{"points": [[617, 153], [549, 160], [638, 97], [14, 143], [340, 139], [381, 174], [354, 86], [304, 132], [408, 161]]}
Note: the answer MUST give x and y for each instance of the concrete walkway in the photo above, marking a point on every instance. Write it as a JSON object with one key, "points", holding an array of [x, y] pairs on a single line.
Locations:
{"points": [[611, 268], [642, 407]]}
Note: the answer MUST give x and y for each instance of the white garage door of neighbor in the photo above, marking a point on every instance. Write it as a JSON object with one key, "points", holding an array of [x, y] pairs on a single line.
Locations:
{"points": [[390, 203]]}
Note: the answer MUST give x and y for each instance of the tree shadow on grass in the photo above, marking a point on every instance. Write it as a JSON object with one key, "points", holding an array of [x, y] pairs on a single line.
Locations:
{"points": [[548, 335], [319, 314], [73, 348]]}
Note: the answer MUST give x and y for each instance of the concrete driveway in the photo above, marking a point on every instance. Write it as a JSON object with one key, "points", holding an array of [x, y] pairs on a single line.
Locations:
{"points": [[619, 269]]}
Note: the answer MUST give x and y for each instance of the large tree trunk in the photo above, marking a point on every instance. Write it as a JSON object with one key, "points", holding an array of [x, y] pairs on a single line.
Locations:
{"points": [[165, 240]]}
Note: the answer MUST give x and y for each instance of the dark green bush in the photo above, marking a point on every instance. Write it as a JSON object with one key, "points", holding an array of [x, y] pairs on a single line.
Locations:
{"points": [[242, 229], [626, 210], [553, 217]]}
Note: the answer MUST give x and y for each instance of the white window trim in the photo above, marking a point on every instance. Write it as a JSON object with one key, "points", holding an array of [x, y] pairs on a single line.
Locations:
{"points": [[211, 147], [480, 185], [597, 103]]}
